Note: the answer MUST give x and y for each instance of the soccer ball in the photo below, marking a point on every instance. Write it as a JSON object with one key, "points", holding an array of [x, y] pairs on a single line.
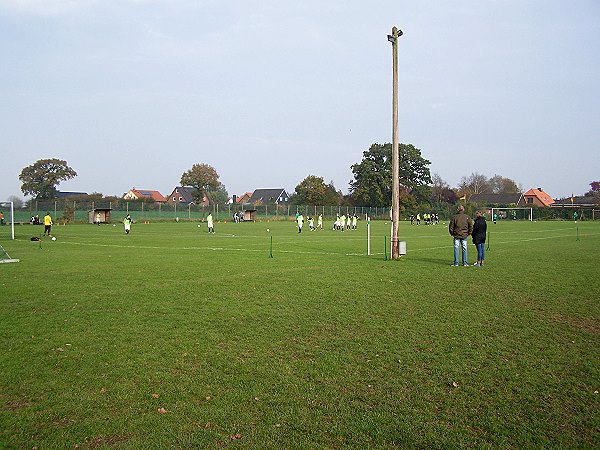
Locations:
{"points": [[198, 225], [114, 225], [267, 230], [53, 238]]}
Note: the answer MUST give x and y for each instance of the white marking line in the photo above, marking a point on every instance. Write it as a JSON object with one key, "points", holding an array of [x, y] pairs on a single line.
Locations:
{"points": [[302, 252], [264, 250], [510, 242]]}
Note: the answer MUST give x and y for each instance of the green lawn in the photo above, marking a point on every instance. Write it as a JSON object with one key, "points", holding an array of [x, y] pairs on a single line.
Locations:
{"points": [[173, 338]]}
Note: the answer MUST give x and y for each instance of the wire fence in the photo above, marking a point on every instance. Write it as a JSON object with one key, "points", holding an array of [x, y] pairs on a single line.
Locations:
{"points": [[82, 212], [69, 211]]}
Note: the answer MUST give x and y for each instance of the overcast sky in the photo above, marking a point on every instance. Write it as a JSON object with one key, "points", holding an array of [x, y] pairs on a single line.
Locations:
{"points": [[132, 93]]}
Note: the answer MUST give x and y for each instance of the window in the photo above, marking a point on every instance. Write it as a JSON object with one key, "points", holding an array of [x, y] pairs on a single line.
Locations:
{"points": [[529, 200], [180, 199], [174, 199]]}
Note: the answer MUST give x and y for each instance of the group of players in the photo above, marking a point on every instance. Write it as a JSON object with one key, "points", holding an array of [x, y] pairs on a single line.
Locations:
{"points": [[428, 219], [341, 222]]}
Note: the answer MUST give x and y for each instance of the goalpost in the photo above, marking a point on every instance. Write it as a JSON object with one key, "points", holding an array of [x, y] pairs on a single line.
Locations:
{"points": [[11, 207], [513, 213]]}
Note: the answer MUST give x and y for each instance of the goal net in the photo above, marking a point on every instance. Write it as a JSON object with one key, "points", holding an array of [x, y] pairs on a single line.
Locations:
{"points": [[5, 257], [513, 213], [7, 229]]}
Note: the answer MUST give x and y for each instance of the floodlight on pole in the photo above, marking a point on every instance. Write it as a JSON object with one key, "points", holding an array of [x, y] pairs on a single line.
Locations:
{"points": [[393, 38]]}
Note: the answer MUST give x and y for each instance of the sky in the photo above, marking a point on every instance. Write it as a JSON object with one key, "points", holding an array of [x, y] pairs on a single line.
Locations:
{"points": [[132, 93]]}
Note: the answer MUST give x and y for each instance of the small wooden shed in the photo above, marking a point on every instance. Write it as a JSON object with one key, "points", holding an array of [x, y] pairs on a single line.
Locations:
{"points": [[104, 215], [250, 215]]}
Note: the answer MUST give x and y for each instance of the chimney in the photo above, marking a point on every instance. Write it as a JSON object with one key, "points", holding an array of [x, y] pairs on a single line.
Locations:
{"points": [[540, 189]]}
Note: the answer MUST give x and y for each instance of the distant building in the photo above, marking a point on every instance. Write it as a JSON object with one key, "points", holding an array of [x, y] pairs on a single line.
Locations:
{"points": [[65, 194], [244, 198], [144, 194], [580, 201], [266, 196], [537, 197], [184, 195]]}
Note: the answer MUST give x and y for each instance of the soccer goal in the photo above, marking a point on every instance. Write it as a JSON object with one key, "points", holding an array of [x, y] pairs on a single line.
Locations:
{"points": [[513, 213], [7, 220]]}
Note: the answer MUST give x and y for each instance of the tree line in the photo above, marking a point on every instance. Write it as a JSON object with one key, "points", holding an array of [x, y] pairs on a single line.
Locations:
{"points": [[371, 184]]}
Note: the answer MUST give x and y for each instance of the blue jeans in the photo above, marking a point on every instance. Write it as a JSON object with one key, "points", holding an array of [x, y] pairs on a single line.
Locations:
{"points": [[458, 243], [480, 251]]}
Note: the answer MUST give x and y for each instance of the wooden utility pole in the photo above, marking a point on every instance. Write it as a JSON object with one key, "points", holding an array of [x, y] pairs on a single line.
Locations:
{"points": [[393, 38]]}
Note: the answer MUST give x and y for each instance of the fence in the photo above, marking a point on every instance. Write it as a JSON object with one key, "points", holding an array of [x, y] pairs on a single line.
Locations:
{"points": [[77, 211]]}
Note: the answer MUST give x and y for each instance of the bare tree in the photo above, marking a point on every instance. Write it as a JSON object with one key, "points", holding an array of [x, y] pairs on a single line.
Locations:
{"points": [[475, 183], [503, 185]]}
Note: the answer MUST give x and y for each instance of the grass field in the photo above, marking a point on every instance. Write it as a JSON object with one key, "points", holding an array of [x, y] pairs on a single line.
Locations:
{"points": [[173, 338]]}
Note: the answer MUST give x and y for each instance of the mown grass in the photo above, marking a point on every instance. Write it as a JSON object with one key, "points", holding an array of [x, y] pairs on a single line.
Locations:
{"points": [[320, 346]]}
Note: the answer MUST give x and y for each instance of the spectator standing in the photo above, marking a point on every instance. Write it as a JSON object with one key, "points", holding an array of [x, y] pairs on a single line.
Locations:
{"points": [[478, 236], [460, 227]]}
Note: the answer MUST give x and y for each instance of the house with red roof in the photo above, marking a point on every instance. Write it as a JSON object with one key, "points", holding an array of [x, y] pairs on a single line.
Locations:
{"points": [[537, 197], [145, 194], [244, 198]]}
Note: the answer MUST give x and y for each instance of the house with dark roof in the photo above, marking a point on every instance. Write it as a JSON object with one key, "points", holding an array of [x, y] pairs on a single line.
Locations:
{"points": [[502, 200], [537, 197], [144, 194], [65, 194], [580, 201], [266, 196], [184, 195]]}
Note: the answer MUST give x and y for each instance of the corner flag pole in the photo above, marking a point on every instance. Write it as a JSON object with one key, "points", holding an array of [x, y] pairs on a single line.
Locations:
{"points": [[12, 221], [369, 237]]}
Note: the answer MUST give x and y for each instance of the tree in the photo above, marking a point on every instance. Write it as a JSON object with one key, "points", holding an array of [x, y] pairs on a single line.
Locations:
{"points": [[313, 191], [475, 183], [372, 184], [202, 177], [441, 192], [17, 202], [41, 178], [501, 185], [218, 195], [594, 191]]}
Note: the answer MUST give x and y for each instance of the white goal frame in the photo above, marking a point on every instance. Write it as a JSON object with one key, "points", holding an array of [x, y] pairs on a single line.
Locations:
{"points": [[12, 217], [508, 208]]}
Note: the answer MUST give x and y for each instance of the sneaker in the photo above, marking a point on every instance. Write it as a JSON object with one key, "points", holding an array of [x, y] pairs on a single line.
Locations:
{"points": [[475, 264], [453, 265], [465, 265]]}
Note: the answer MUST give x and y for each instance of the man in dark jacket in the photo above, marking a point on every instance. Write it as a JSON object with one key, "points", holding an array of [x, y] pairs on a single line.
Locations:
{"points": [[478, 235], [460, 228]]}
